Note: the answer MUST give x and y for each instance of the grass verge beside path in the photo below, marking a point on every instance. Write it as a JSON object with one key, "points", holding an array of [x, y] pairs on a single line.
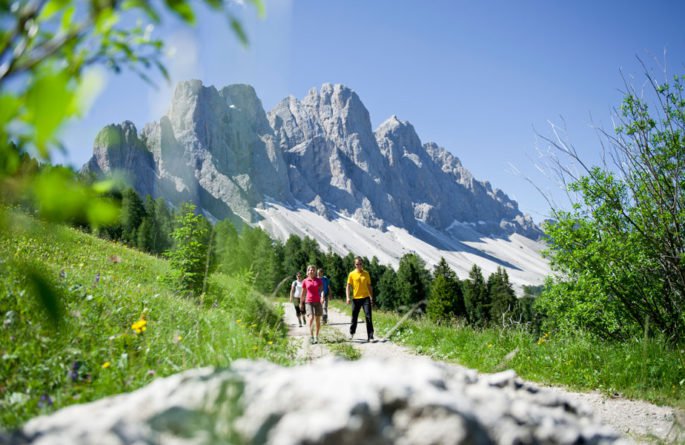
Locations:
{"points": [[122, 324], [645, 369]]}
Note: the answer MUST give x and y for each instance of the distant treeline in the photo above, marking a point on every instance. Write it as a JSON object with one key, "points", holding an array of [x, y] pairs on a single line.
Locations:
{"points": [[197, 249]]}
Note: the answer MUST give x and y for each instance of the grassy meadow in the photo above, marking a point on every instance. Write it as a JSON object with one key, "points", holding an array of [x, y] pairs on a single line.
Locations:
{"points": [[122, 323], [646, 369]]}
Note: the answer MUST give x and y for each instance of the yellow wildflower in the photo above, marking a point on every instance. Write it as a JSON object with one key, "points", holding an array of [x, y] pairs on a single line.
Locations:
{"points": [[139, 326], [270, 342], [238, 321], [106, 365], [543, 339]]}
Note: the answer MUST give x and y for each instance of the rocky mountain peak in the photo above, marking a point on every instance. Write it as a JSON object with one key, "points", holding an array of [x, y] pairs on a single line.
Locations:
{"points": [[340, 111], [242, 99], [220, 149], [397, 138]]}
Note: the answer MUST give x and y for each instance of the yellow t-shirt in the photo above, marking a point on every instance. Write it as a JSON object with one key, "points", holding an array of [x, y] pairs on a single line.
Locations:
{"points": [[361, 283]]}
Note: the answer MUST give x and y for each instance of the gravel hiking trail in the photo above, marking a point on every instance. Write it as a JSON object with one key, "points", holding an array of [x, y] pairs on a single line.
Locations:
{"points": [[640, 421]]}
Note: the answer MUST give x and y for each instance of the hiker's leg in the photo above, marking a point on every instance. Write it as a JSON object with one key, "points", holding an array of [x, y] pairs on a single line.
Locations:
{"points": [[310, 318], [298, 313], [367, 313], [325, 310], [355, 314]]}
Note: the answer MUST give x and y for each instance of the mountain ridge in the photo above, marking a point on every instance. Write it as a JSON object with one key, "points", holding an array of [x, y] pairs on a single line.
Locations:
{"points": [[221, 150]]}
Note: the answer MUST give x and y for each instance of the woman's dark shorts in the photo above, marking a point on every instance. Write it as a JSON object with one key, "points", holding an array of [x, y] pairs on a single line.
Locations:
{"points": [[314, 309]]}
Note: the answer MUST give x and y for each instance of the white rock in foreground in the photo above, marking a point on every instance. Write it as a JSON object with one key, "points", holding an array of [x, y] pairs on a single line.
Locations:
{"points": [[332, 402]]}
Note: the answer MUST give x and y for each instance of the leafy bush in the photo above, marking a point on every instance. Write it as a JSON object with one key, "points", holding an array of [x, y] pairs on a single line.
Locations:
{"points": [[621, 248]]}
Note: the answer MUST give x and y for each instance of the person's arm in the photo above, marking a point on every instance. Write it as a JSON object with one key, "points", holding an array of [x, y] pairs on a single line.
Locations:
{"points": [[371, 292], [292, 290], [347, 293]]}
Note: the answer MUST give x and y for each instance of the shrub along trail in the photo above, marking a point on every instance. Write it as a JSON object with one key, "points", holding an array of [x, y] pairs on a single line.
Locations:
{"points": [[641, 421]]}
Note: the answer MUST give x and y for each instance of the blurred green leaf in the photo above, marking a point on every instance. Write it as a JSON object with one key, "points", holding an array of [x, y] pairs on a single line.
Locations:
{"points": [[239, 31], [144, 5], [48, 103], [162, 69], [183, 9], [58, 196], [9, 162], [87, 90], [102, 212], [105, 185], [106, 20], [51, 8], [44, 292], [67, 21], [215, 4], [261, 8], [9, 108]]}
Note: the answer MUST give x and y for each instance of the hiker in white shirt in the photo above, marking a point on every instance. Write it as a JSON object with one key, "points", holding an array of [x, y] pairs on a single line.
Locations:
{"points": [[295, 294]]}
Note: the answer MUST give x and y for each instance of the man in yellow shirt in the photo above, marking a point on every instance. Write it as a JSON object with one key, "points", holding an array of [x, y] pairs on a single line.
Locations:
{"points": [[359, 281]]}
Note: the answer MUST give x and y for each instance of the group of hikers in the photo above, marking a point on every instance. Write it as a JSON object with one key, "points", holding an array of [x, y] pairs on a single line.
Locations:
{"points": [[310, 297]]}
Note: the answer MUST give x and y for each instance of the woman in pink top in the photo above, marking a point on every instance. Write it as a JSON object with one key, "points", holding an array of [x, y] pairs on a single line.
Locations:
{"points": [[311, 288]]}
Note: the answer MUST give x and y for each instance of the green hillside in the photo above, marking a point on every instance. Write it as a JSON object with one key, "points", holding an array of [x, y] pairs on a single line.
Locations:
{"points": [[121, 323]]}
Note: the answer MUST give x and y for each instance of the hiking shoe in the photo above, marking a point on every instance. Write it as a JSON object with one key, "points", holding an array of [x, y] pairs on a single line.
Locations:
{"points": [[311, 340], [372, 340], [316, 340], [351, 337]]}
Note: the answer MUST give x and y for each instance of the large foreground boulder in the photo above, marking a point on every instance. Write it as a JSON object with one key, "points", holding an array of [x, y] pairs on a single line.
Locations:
{"points": [[331, 402]]}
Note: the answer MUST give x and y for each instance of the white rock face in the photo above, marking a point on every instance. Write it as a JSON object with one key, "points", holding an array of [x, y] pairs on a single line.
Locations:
{"points": [[386, 177], [214, 148], [331, 402], [220, 150]]}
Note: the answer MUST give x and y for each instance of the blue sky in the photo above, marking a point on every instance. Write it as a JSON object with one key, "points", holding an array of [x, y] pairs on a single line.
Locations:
{"points": [[480, 78]]}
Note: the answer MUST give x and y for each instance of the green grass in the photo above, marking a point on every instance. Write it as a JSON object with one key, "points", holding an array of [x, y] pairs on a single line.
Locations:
{"points": [[646, 369], [338, 343], [94, 352]]}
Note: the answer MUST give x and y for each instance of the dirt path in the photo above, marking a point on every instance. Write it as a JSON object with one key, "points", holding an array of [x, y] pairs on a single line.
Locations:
{"points": [[641, 421]]}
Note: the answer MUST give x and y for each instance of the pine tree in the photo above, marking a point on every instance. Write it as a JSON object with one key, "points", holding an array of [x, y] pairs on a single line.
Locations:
{"points": [[386, 290], [276, 265], [132, 214], [446, 299], [413, 281], [336, 272], [162, 227], [225, 246], [263, 261], [145, 235], [188, 257], [476, 298], [294, 259], [502, 297], [312, 252]]}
